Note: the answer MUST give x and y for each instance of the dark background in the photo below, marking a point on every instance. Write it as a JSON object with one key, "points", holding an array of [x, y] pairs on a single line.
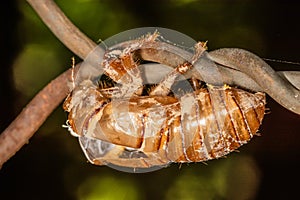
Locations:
{"points": [[52, 166]]}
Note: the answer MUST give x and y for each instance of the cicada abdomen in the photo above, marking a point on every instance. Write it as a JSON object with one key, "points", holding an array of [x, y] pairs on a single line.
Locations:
{"points": [[216, 121]]}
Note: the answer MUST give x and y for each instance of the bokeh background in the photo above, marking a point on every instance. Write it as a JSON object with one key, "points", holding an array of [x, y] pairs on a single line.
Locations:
{"points": [[52, 165]]}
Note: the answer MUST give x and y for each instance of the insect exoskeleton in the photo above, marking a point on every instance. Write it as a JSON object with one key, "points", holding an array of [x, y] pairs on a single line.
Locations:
{"points": [[203, 125], [120, 124]]}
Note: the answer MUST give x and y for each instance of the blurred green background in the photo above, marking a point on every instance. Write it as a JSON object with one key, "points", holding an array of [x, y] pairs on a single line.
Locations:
{"points": [[52, 165]]}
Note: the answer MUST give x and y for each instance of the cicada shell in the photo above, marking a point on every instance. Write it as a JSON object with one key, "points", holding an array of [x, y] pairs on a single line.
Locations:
{"points": [[144, 131]]}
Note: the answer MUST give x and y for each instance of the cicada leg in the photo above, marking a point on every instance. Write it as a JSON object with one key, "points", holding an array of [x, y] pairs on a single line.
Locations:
{"points": [[195, 83], [132, 82], [123, 69], [164, 87]]}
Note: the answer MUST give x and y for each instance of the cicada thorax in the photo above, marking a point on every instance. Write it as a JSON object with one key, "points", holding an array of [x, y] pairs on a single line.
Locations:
{"points": [[132, 122]]}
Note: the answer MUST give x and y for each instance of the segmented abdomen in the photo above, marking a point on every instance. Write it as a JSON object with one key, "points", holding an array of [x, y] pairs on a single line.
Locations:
{"points": [[215, 122]]}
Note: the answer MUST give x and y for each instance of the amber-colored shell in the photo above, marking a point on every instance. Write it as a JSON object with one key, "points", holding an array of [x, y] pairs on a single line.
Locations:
{"points": [[202, 125], [127, 129]]}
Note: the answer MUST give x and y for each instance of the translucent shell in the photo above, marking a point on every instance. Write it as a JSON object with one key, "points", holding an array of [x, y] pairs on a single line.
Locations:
{"points": [[119, 127], [152, 131]]}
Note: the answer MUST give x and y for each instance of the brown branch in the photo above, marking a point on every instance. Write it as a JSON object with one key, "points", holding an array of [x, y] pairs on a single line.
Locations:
{"points": [[33, 116], [62, 27], [236, 67], [40, 107], [280, 89]]}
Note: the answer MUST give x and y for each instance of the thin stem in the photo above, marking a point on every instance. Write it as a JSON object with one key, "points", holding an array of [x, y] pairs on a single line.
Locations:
{"points": [[280, 89], [33, 116], [62, 27]]}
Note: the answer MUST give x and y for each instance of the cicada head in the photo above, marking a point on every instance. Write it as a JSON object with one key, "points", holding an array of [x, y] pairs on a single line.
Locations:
{"points": [[81, 103]]}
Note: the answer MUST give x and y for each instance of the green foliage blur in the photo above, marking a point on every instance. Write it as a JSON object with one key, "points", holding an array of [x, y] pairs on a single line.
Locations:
{"points": [[52, 165]]}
